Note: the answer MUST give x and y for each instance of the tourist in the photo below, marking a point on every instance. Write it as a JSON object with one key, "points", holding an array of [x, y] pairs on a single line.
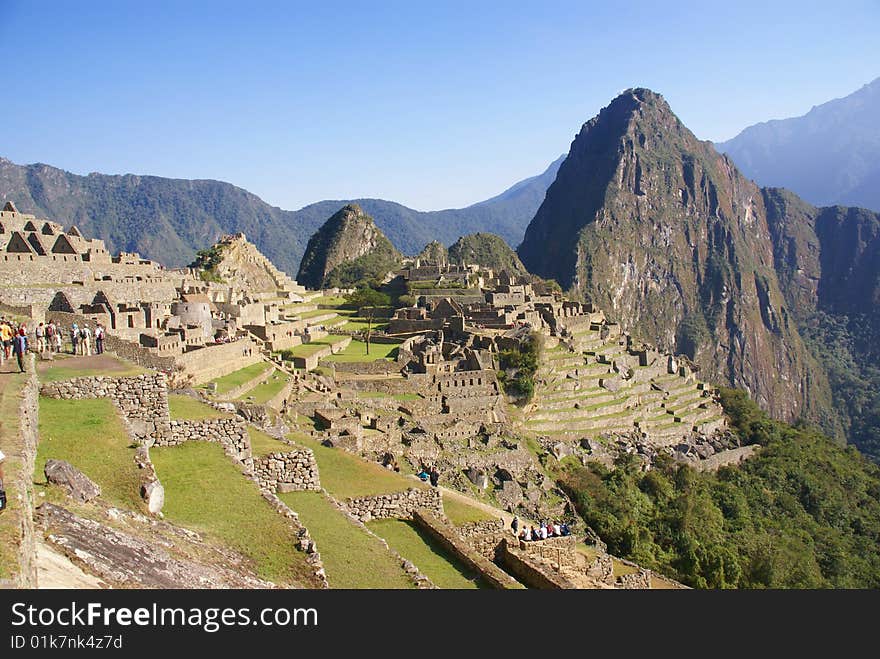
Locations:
{"points": [[542, 532], [564, 530], [74, 338], [557, 529], [19, 347], [533, 533], [435, 476], [86, 340], [6, 336], [423, 475], [40, 333], [525, 535], [514, 524], [50, 336], [99, 349], [59, 339]]}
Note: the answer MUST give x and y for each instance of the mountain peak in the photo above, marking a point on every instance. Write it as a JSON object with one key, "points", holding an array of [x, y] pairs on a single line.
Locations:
{"points": [[348, 249]]}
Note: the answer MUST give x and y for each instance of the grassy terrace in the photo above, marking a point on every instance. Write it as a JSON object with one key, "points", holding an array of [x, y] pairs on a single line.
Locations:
{"points": [[237, 378], [414, 544], [460, 513], [263, 444], [355, 323], [383, 395], [89, 435], [88, 367], [187, 407], [345, 475], [328, 300], [10, 528], [204, 491], [352, 557], [357, 352], [307, 349], [306, 315], [263, 393]]}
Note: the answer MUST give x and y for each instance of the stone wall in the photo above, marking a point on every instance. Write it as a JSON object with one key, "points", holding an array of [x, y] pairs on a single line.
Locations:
{"points": [[533, 574], [378, 367], [448, 537], [399, 505], [19, 486], [290, 471], [218, 360], [234, 393], [638, 580], [142, 399], [484, 536], [231, 433]]}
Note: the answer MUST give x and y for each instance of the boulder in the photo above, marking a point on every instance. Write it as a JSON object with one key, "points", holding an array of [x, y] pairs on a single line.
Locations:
{"points": [[77, 484], [154, 495], [478, 477]]}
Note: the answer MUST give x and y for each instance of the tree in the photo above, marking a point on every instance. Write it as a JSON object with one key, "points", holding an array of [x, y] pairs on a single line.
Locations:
{"points": [[367, 299]]}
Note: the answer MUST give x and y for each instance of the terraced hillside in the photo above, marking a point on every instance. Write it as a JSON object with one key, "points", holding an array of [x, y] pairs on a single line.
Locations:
{"points": [[590, 383]]}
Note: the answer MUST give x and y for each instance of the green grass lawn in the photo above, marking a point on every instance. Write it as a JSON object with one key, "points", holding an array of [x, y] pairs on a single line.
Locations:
{"points": [[263, 444], [330, 339], [56, 373], [328, 300], [306, 349], [416, 545], [263, 393], [187, 407], [306, 315], [89, 435], [357, 352], [382, 394], [460, 513], [204, 491], [237, 378], [352, 558], [345, 475]]}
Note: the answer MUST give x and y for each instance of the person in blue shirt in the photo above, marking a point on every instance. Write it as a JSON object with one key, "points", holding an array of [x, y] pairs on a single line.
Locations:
{"points": [[19, 347]]}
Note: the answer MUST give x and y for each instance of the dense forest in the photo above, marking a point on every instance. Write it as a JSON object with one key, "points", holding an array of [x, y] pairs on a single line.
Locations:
{"points": [[802, 513]]}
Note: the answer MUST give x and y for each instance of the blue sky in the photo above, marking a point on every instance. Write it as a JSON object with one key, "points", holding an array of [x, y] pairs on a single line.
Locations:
{"points": [[430, 104]]}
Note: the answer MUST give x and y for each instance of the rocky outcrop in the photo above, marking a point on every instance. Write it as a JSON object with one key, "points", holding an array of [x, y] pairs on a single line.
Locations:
{"points": [[487, 250], [348, 248], [670, 240], [124, 560], [77, 484]]}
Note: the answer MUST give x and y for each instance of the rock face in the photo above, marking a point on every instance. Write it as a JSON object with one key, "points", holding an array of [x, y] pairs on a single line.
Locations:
{"points": [[434, 252], [669, 239], [487, 250], [122, 559], [349, 247], [77, 484]]}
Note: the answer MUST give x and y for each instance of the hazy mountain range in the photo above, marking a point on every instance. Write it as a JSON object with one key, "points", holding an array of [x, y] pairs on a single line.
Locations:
{"points": [[831, 155], [170, 219]]}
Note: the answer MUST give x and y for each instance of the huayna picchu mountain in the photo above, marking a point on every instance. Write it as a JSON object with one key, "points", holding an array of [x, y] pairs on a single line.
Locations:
{"points": [[666, 236], [348, 249]]}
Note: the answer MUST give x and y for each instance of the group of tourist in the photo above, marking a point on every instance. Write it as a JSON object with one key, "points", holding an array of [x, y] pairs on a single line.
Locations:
{"points": [[15, 342], [429, 475], [16, 339], [544, 531], [81, 339]]}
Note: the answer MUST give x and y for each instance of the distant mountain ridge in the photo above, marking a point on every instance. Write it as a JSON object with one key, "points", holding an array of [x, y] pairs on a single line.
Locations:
{"points": [[829, 156], [168, 220]]}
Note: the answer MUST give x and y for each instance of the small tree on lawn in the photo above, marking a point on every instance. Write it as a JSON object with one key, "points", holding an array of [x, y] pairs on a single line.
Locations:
{"points": [[368, 299]]}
